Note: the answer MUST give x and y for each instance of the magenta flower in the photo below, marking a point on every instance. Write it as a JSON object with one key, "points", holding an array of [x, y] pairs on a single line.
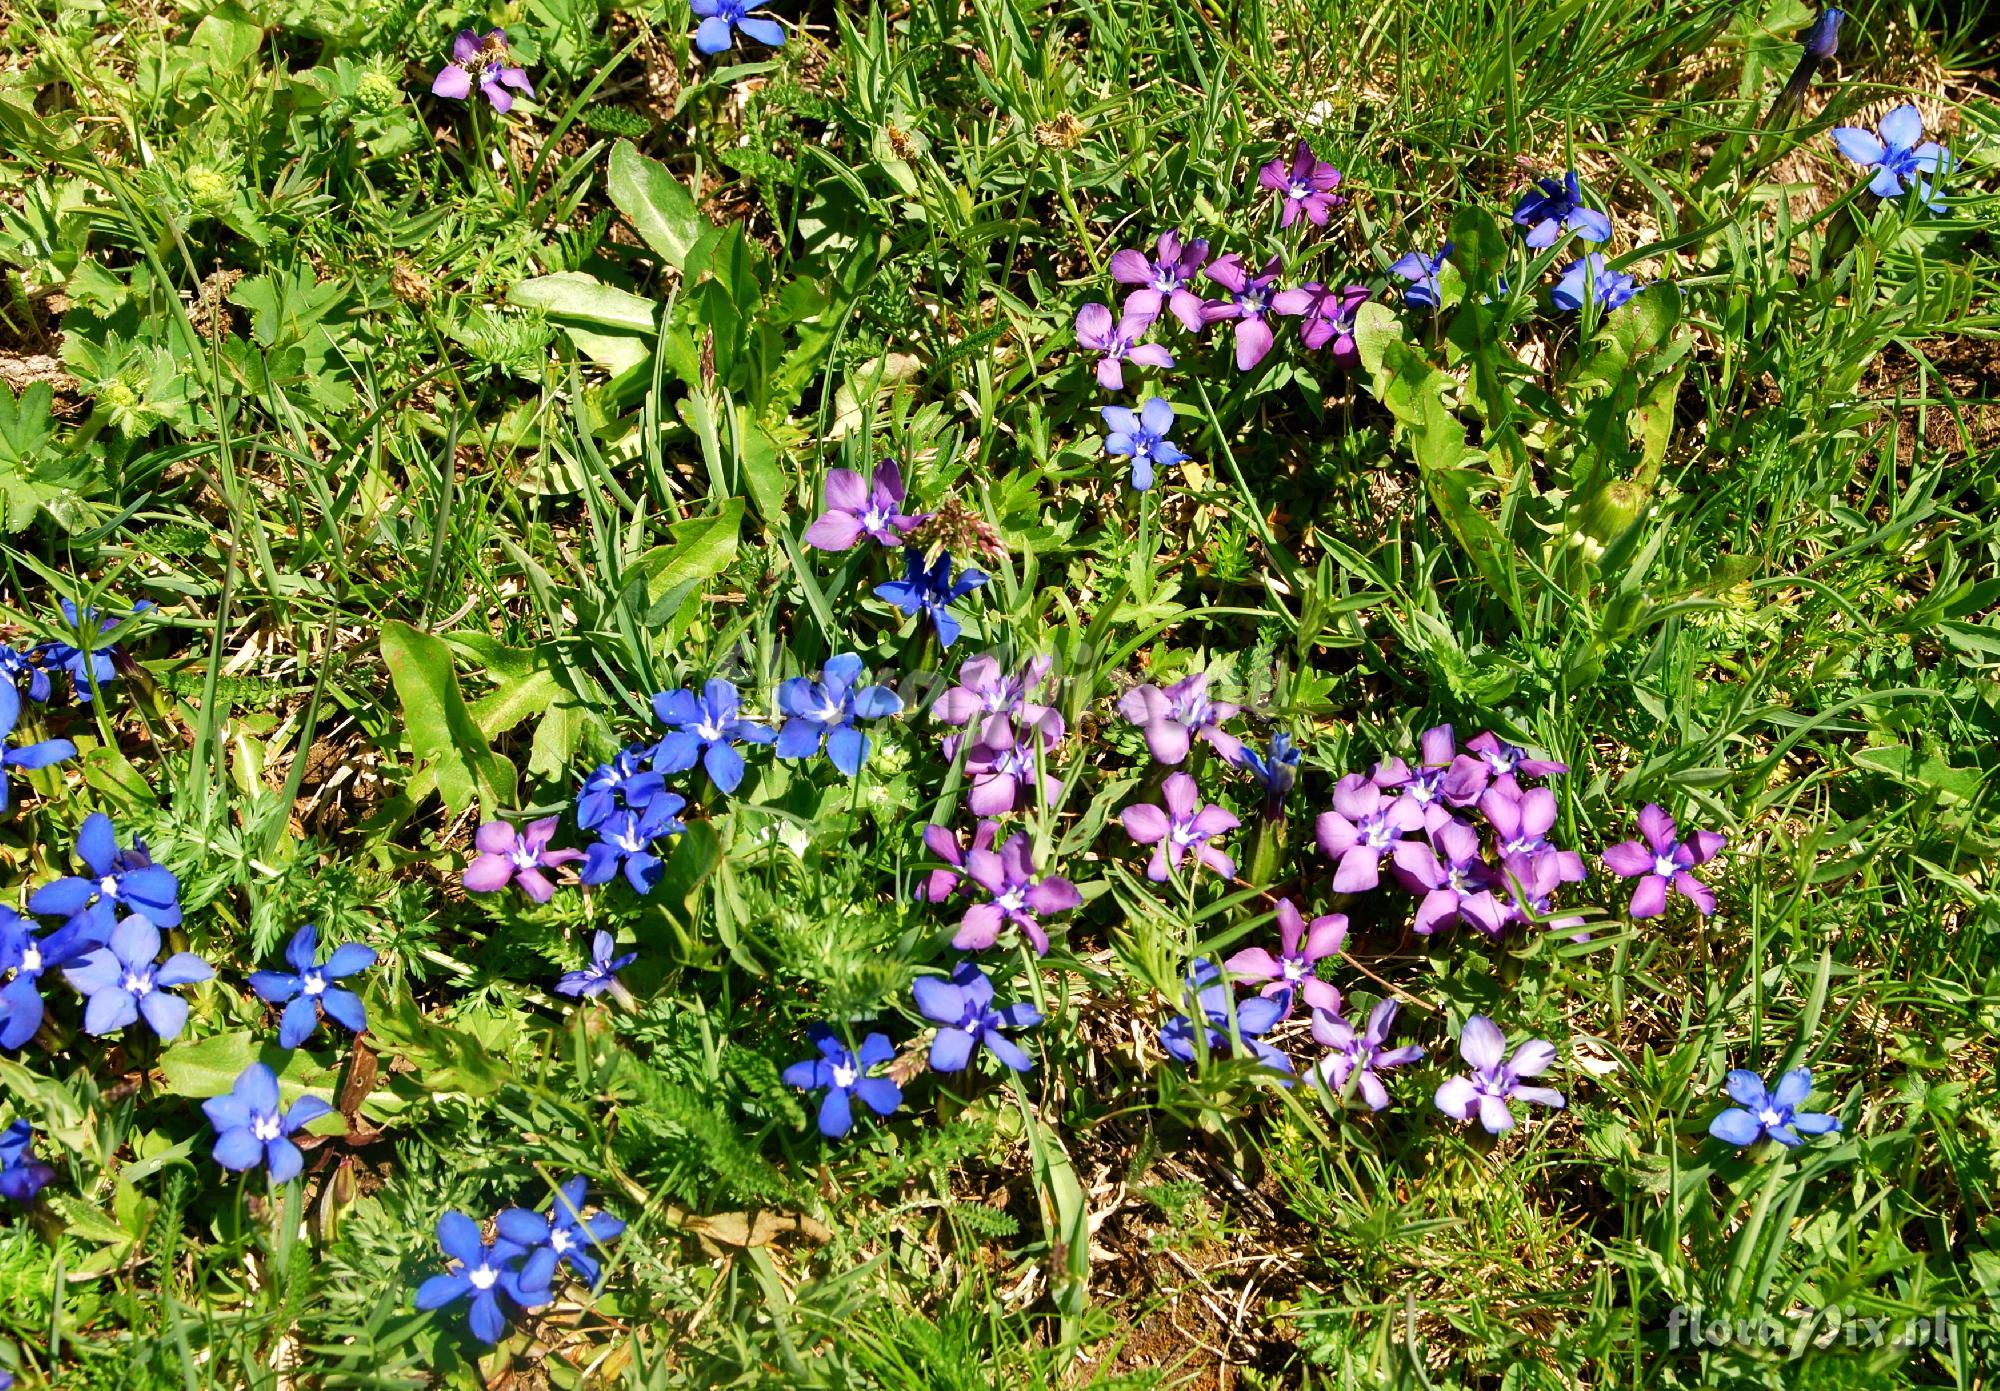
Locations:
{"points": [[1173, 716], [1363, 827], [1183, 827], [854, 511], [1439, 780], [1490, 760], [487, 61], [1357, 1057], [1452, 877], [1531, 881], [943, 842], [1118, 342], [987, 693], [1248, 303], [1017, 896], [1521, 822], [1306, 187], [1662, 861], [1329, 316], [1006, 769], [1164, 280], [1495, 1080], [1300, 949], [507, 855]]}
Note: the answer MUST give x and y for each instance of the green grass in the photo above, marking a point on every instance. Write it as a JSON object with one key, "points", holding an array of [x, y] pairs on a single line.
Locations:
{"points": [[442, 440]]}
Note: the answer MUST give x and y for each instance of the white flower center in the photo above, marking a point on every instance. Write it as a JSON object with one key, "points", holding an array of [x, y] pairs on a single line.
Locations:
{"points": [[108, 886], [1295, 970], [843, 1076], [313, 983], [629, 840], [31, 958], [1300, 188], [709, 730], [559, 1239], [1664, 866], [832, 712], [1013, 901], [483, 1277], [876, 519], [138, 984], [266, 1128], [1379, 834], [1768, 1117]]}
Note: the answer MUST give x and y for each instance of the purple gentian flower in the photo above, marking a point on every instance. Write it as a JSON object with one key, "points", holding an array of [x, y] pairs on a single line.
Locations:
{"points": [[28, 756], [482, 1272], [1182, 827], [1006, 769], [1555, 206], [844, 1074], [1453, 879], [1142, 436], [121, 981], [1442, 778], [563, 1231], [987, 693], [22, 1175], [1589, 278], [618, 784], [827, 709], [486, 60], [506, 855], [30, 958], [962, 1007], [252, 1128], [941, 841], [1422, 273], [1249, 303], [1532, 880], [601, 974], [1359, 1057], [1495, 1081], [854, 510], [1118, 342], [1164, 281], [1759, 1113], [1491, 761], [707, 727], [1663, 860], [1329, 316], [309, 988], [1300, 950], [626, 842], [1521, 822], [1017, 895], [1362, 827], [99, 664], [1207, 994], [1898, 154], [17, 665], [930, 589], [1307, 187], [1172, 716], [721, 18], [118, 878]]}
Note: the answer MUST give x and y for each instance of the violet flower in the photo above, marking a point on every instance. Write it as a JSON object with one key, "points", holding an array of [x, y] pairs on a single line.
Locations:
{"points": [[1173, 715], [1555, 206], [963, 1009], [1498, 763], [488, 61], [1442, 778], [1164, 280], [1006, 769], [1119, 343], [601, 975], [121, 982], [1362, 827], [1759, 1114], [1590, 278], [1208, 995], [706, 727], [1495, 1080], [1184, 826], [1360, 1057], [1300, 950], [1453, 878], [827, 709], [1329, 316], [22, 1175], [1141, 436], [1660, 861], [720, 19], [1898, 153], [509, 856], [1521, 822], [844, 1074], [987, 693], [1531, 881], [930, 589], [1248, 302], [854, 510], [943, 842], [1019, 896], [1306, 188]]}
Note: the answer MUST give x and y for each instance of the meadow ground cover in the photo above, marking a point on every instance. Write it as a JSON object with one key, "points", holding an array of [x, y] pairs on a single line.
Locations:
{"points": [[998, 694]]}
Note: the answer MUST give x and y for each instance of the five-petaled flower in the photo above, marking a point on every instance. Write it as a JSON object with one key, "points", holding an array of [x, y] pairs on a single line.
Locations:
{"points": [[962, 1007], [943, 842], [1328, 314], [1362, 827], [1305, 188], [1007, 768], [626, 842], [118, 878], [483, 1271], [855, 509], [1208, 995], [520, 857], [1300, 950], [706, 727], [1183, 826], [1898, 153], [1495, 1080], [27, 756], [487, 62], [720, 19], [1759, 1113], [309, 987], [1453, 878], [827, 709], [930, 589], [986, 693], [1250, 301], [1017, 894], [31, 958], [1555, 206], [1141, 436], [1356, 1057], [121, 981], [1164, 281], [844, 1073], [1589, 279], [602, 972], [1172, 716], [1118, 342], [622, 783], [1663, 860], [22, 1175], [253, 1128], [563, 1231]]}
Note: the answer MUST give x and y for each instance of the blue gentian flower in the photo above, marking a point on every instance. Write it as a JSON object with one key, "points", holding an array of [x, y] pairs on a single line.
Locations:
{"points": [[842, 1073], [16, 665], [121, 982], [22, 1175], [39, 755], [482, 1272], [962, 1007], [1211, 996], [626, 842], [827, 708], [602, 972], [1589, 277], [564, 1231], [721, 18], [1278, 770], [1555, 206], [623, 782], [30, 958], [931, 590], [1898, 153], [99, 664], [1422, 273], [118, 878], [309, 987], [252, 1127], [1142, 435], [705, 726], [1759, 1113]]}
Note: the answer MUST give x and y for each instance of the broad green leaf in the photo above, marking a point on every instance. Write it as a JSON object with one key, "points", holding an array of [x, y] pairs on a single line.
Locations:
{"points": [[612, 327], [660, 209], [703, 548], [445, 738]]}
